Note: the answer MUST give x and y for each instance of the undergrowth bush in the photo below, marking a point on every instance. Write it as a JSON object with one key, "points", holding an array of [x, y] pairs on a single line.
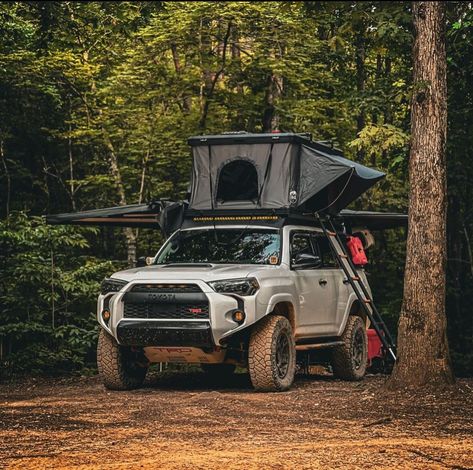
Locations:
{"points": [[48, 291]]}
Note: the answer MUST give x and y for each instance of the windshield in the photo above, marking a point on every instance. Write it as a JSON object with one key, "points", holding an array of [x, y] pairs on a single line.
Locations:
{"points": [[222, 246]]}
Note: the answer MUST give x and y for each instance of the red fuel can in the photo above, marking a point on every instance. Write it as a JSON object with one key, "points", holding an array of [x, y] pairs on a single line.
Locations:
{"points": [[357, 251], [375, 347]]}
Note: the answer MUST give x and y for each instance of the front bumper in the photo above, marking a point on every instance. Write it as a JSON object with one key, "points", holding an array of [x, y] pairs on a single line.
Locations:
{"points": [[171, 333], [176, 332]]}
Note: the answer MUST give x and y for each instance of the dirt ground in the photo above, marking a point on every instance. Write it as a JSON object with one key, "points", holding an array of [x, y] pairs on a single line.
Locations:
{"points": [[181, 421]]}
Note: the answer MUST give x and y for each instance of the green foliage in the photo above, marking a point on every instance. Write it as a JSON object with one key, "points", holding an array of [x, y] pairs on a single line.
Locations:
{"points": [[48, 289]]}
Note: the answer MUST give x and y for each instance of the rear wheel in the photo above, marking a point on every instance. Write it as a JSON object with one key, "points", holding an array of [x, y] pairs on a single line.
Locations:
{"points": [[121, 367], [272, 355], [350, 359]]}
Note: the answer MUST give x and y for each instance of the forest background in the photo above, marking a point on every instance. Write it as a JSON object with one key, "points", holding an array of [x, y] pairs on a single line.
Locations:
{"points": [[97, 100]]}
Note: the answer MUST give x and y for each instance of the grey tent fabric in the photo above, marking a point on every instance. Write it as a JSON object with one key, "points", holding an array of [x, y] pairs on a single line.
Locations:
{"points": [[329, 183], [292, 172], [273, 165]]}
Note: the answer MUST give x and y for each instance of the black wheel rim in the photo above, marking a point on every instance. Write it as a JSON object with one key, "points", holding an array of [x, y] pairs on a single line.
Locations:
{"points": [[358, 349], [282, 355]]}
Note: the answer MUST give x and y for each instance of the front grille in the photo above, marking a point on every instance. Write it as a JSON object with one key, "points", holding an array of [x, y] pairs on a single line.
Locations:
{"points": [[166, 311], [166, 302]]}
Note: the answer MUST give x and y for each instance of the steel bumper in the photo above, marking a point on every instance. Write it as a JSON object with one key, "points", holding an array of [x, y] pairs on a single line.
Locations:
{"points": [[152, 333]]}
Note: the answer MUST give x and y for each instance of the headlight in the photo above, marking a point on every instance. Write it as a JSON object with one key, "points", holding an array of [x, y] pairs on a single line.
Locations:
{"points": [[246, 286], [111, 285]]}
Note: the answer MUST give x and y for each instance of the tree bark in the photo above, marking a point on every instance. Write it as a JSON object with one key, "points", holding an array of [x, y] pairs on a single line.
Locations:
{"points": [[360, 57], [423, 354], [210, 79], [7, 175], [186, 99], [274, 90], [236, 58], [130, 234], [273, 94]]}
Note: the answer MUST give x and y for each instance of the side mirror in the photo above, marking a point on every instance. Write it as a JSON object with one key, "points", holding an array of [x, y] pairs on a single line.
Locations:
{"points": [[143, 261], [306, 260]]}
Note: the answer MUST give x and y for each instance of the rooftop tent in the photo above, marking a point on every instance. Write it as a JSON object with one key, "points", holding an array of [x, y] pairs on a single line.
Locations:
{"points": [[273, 171]]}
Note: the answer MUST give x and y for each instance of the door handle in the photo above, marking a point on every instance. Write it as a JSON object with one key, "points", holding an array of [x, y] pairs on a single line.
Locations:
{"points": [[346, 281], [323, 282]]}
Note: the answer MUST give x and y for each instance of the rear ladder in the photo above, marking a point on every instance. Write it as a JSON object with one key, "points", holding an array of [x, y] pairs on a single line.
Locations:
{"points": [[357, 284]]}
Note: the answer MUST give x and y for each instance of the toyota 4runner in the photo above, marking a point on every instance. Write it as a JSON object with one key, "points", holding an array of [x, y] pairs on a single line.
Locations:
{"points": [[223, 296]]}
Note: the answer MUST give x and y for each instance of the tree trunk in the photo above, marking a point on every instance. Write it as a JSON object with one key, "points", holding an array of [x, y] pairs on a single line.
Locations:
{"points": [[273, 94], [274, 90], [423, 354], [186, 99], [7, 175], [130, 234], [210, 79], [236, 59], [360, 56]]}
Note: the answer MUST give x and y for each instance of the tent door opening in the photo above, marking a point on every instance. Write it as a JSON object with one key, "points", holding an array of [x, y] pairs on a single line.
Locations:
{"points": [[237, 181]]}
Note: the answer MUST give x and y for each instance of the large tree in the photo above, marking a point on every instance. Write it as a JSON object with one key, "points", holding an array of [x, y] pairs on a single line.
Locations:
{"points": [[423, 348]]}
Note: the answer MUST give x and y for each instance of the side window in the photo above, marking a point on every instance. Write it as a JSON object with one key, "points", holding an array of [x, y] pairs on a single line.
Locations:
{"points": [[325, 252], [300, 244]]}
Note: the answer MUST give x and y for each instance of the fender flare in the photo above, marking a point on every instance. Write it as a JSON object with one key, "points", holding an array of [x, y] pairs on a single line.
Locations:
{"points": [[276, 299], [353, 304]]}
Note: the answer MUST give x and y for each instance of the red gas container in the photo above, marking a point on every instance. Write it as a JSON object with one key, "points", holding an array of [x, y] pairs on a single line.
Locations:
{"points": [[357, 251], [375, 347]]}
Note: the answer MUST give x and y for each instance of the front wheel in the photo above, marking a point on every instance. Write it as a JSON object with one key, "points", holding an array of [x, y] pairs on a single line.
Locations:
{"points": [[350, 359], [121, 367], [272, 355]]}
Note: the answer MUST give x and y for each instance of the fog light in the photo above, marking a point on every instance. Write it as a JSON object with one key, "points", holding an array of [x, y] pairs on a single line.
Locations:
{"points": [[238, 316], [106, 315]]}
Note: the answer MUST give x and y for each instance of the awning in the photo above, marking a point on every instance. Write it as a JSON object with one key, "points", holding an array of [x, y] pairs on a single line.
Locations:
{"points": [[134, 215], [164, 215], [170, 217], [374, 220]]}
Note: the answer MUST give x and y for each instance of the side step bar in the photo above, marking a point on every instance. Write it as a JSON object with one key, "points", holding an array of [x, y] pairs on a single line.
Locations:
{"points": [[308, 347]]}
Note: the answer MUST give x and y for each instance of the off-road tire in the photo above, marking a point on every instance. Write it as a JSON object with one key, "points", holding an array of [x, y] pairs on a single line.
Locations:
{"points": [[268, 373], [120, 367], [350, 360]]}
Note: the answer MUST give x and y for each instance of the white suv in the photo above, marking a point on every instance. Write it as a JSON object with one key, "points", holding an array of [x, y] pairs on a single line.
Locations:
{"points": [[222, 296]]}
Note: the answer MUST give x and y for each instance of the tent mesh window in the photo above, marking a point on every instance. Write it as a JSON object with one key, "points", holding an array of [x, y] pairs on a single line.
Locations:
{"points": [[237, 181]]}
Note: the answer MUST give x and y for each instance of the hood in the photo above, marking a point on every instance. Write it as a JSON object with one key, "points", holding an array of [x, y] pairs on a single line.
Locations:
{"points": [[206, 273]]}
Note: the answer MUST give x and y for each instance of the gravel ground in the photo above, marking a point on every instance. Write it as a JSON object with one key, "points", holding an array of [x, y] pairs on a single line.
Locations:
{"points": [[182, 421]]}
